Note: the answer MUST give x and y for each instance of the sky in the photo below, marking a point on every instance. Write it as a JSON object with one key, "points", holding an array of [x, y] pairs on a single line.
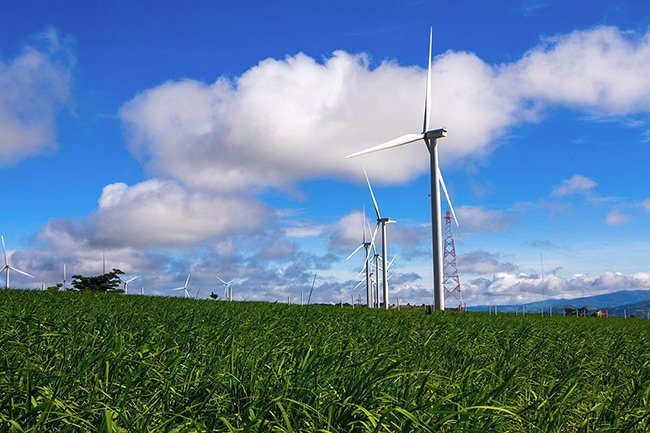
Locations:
{"points": [[210, 138]]}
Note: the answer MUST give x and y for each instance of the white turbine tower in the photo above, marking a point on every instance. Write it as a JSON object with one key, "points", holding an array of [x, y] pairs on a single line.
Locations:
{"points": [[186, 294], [430, 138], [227, 289], [8, 267], [65, 281], [126, 283], [381, 222]]}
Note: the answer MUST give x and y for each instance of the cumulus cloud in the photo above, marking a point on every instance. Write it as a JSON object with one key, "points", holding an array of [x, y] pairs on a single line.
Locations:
{"points": [[347, 234], [602, 70], [477, 219], [521, 288], [617, 218], [34, 87], [483, 262], [576, 184], [160, 213], [290, 119]]}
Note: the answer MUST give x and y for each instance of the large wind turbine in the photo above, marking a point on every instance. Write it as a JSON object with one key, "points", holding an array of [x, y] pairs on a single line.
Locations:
{"points": [[381, 222], [430, 138], [186, 294], [8, 267]]}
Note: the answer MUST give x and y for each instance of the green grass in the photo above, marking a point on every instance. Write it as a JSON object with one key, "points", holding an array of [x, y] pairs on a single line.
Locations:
{"points": [[111, 363]]}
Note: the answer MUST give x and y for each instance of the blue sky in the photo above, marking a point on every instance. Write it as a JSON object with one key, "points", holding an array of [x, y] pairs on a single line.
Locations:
{"points": [[210, 139]]}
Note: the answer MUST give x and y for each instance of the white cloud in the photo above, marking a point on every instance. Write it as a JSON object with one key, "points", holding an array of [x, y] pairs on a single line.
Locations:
{"points": [[483, 262], [347, 234], [34, 86], [477, 219], [159, 213], [511, 288], [292, 119], [645, 205], [617, 218], [603, 70], [576, 184]]}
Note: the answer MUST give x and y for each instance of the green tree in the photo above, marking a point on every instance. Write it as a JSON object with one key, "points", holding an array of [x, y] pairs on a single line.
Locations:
{"points": [[55, 288], [109, 282]]}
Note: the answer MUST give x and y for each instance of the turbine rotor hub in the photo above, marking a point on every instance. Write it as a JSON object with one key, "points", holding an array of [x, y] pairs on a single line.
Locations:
{"points": [[436, 133]]}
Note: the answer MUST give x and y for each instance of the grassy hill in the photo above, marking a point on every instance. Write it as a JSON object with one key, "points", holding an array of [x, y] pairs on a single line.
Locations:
{"points": [[111, 363]]}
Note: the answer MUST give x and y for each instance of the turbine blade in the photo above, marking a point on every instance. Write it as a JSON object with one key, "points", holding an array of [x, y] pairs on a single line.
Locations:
{"points": [[187, 281], [358, 284], [365, 263], [4, 250], [399, 141], [444, 189], [179, 288], [374, 202], [354, 252], [21, 272], [132, 279], [427, 99], [222, 281], [372, 239]]}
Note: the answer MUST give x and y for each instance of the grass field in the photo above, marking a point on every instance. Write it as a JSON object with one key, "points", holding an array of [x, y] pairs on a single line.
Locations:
{"points": [[110, 363]]}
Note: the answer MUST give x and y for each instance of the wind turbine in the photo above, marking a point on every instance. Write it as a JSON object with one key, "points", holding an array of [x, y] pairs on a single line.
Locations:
{"points": [[313, 283], [8, 267], [186, 294], [126, 283], [430, 138], [227, 289], [65, 282], [381, 222], [366, 245]]}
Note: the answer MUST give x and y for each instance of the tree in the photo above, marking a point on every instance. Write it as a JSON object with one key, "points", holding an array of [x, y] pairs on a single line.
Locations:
{"points": [[109, 282], [55, 288], [214, 295]]}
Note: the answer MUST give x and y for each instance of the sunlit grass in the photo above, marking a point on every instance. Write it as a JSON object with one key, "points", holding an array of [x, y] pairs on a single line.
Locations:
{"points": [[88, 362]]}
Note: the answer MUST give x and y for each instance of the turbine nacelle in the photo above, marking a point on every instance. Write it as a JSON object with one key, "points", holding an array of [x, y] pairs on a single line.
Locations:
{"points": [[436, 134]]}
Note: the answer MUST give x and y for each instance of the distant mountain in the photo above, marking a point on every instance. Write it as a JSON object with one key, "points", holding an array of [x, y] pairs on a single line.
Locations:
{"points": [[614, 302], [638, 309]]}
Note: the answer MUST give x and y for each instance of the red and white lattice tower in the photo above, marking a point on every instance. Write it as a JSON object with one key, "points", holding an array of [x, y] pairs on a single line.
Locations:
{"points": [[450, 279]]}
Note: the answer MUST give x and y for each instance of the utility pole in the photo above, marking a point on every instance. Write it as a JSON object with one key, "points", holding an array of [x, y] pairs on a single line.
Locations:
{"points": [[450, 279]]}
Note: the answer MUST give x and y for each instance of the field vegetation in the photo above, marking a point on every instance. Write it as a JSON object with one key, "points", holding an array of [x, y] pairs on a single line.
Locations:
{"points": [[113, 363]]}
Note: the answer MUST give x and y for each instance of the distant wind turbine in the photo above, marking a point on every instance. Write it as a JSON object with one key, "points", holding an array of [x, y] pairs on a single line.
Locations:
{"points": [[227, 289], [430, 138], [366, 245], [65, 282], [186, 294], [313, 283], [381, 222], [126, 283], [8, 267]]}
